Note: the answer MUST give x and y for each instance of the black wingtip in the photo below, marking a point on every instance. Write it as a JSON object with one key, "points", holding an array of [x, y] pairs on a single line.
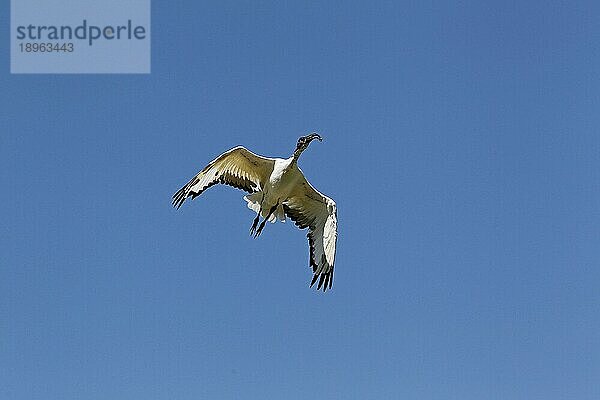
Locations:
{"points": [[178, 198], [314, 279], [326, 283], [321, 280], [325, 280]]}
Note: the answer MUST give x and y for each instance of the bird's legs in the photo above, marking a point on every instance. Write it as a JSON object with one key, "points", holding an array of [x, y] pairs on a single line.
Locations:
{"points": [[262, 224], [255, 222]]}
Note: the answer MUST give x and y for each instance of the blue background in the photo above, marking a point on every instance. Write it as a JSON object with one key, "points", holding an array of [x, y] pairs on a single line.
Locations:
{"points": [[461, 146]]}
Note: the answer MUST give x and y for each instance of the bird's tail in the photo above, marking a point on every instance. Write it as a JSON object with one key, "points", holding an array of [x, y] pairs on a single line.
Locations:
{"points": [[254, 201]]}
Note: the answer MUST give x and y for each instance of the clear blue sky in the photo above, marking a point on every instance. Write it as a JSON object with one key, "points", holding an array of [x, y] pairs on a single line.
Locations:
{"points": [[462, 148]]}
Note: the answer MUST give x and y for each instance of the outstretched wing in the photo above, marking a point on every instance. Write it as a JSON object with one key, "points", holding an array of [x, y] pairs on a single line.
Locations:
{"points": [[238, 167], [310, 209]]}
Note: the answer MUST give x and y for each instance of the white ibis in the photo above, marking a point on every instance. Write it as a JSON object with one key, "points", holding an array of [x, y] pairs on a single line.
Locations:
{"points": [[277, 189]]}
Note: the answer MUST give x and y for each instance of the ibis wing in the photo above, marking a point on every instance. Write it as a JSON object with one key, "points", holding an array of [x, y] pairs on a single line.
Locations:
{"points": [[310, 209], [238, 167]]}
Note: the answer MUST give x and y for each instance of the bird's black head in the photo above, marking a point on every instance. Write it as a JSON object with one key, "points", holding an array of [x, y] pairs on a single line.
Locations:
{"points": [[304, 141]]}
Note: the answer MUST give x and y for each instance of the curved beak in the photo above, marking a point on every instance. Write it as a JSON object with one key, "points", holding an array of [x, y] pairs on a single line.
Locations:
{"points": [[314, 136]]}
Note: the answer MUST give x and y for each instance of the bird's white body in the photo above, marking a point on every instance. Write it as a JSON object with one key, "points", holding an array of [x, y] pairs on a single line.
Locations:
{"points": [[277, 189], [280, 185]]}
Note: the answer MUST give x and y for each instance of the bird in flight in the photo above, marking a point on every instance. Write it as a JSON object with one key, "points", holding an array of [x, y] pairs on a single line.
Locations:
{"points": [[277, 189]]}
